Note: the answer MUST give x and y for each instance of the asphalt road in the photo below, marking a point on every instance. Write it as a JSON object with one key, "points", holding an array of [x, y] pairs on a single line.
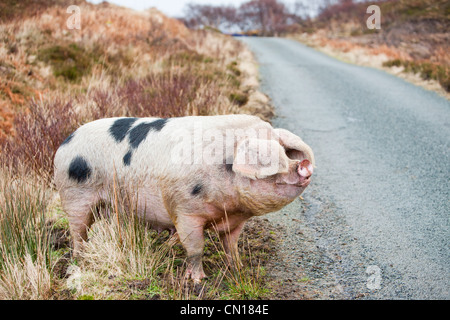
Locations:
{"points": [[374, 222]]}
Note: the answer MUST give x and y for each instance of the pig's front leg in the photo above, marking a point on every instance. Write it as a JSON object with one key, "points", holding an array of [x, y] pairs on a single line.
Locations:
{"points": [[229, 241], [190, 231]]}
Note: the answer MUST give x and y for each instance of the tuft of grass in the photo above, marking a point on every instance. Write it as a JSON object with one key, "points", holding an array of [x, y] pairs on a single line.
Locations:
{"points": [[393, 63], [188, 57], [238, 98], [426, 69], [123, 259], [233, 67], [246, 283], [71, 61], [25, 257]]}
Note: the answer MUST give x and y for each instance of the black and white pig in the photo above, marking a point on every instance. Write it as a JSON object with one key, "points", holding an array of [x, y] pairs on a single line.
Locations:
{"points": [[189, 173]]}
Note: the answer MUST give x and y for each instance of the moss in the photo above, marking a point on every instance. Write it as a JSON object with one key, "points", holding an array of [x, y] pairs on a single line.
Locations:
{"points": [[393, 63], [238, 98], [70, 61], [188, 57], [234, 69]]}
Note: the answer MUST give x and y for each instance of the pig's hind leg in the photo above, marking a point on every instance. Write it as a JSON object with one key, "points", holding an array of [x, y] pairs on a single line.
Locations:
{"points": [[80, 216], [190, 231]]}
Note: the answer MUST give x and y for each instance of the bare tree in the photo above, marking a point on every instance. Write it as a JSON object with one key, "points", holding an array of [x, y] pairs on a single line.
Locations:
{"points": [[265, 17], [306, 9], [271, 17], [218, 17]]}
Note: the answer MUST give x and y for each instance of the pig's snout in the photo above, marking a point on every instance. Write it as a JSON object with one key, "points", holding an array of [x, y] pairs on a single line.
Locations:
{"points": [[305, 169]]}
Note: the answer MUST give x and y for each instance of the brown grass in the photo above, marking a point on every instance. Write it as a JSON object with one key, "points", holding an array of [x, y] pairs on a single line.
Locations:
{"points": [[41, 128]]}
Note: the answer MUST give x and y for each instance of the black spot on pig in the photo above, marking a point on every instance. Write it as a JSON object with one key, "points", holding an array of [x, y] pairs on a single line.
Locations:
{"points": [[79, 169], [139, 132], [229, 167], [127, 158], [120, 128], [197, 189], [70, 137], [157, 125]]}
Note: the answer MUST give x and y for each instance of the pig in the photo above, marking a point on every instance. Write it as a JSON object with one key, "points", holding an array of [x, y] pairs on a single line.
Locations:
{"points": [[189, 174]]}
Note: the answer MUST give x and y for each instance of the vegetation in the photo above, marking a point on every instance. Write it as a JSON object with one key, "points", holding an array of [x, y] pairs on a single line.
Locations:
{"points": [[121, 63], [67, 60], [394, 12], [26, 258]]}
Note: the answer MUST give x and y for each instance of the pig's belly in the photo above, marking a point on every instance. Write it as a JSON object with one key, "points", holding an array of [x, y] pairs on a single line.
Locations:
{"points": [[152, 209]]}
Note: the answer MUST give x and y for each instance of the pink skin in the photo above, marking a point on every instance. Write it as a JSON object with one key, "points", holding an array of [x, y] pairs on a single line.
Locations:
{"points": [[300, 177], [305, 170]]}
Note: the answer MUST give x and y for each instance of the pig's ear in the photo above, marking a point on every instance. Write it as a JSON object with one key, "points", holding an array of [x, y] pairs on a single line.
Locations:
{"points": [[259, 159], [295, 146]]}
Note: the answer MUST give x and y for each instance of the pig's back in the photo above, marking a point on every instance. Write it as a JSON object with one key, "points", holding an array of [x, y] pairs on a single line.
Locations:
{"points": [[96, 150], [137, 149]]}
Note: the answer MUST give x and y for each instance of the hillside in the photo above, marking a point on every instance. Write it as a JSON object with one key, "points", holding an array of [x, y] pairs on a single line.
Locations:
{"points": [[414, 36], [117, 53]]}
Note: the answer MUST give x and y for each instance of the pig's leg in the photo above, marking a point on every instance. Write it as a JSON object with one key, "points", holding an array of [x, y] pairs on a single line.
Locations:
{"points": [[230, 244], [80, 218], [190, 231]]}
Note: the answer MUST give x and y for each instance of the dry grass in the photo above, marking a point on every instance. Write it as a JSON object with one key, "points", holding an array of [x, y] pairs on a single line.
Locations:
{"points": [[25, 257], [124, 259]]}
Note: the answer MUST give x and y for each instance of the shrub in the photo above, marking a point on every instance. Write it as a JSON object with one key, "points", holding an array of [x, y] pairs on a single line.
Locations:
{"points": [[41, 128], [168, 94], [238, 98]]}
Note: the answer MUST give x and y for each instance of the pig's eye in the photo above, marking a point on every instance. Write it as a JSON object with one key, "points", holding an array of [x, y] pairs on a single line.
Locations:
{"points": [[295, 154]]}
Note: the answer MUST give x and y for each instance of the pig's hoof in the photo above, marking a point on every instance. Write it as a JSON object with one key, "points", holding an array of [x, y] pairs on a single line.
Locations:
{"points": [[195, 276]]}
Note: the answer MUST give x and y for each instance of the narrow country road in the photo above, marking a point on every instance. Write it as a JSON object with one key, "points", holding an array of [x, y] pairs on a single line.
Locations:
{"points": [[374, 223]]}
